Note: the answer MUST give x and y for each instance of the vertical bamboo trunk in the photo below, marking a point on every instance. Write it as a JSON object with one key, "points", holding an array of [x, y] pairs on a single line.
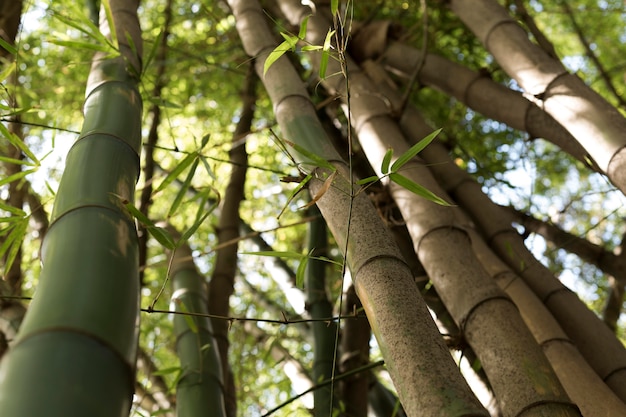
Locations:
{"points": [[427, 380], [200, 389], [76, 349], [319, 307]]}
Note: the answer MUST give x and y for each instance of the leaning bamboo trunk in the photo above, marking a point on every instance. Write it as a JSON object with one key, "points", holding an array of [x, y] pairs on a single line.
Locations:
{"points": [[76, 349], [596, 124], [425, 376], [558, 350], [481, 93]]}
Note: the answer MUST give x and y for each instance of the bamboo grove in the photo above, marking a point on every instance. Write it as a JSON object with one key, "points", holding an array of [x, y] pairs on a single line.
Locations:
{"points": [[330, 208]]}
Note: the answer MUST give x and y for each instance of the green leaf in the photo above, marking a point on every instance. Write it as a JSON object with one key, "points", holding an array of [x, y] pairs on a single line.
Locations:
{"points": [[276, 254], [12, 243], [302, 32], [404, 182], [315, 159], [15, 161], [18, 143], [153, 51], [207, 167], [134, 211], [204, 140], [6, 72], [414, 150], [8, 47], [274, 55], [384, 167], [188, 160], [17, 176], [189, 232], [367, 180], [300, 272], [109, 15], [162, 236], [98, 47], [325, 53], [183, 189], [295, 192], [334, 7]]}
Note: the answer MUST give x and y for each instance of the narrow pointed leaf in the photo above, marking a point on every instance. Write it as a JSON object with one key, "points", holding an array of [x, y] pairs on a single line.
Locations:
{"points": [[188, 160], [367, 180], [9, 48], [415, 188], [189, 232], [414, 150], [325, 54], [386, 161], [183, 189], [153, 51], [275, 54], [276, 254], [316, 159], [17, 176], [295, 192], [303, 26], [300, 272], [18, 143], [162, 236], [334, 7], [111, 22]]}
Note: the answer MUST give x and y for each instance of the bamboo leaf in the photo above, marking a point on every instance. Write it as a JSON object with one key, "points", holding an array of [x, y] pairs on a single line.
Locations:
{"points": [[6, 72], [367, 180], [384, 167], [17, 176], [303, 25], [109, 15], [15, 161], [8, 47], [18, 143], [276, 254], [334, 7], [183, 188], [189, 232], [153, 51], [325, 53], [13, 210], [134, 211], [415, 188], [413, 150], [177, 171], [275, 55], [204, 140], [316, 159], [84, 45], [295, 192], [300, 272], [207, 167], [308, 48], [162, 236], [19, 233]]}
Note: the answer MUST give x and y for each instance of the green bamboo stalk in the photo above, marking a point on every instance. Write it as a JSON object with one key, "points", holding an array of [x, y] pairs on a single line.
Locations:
{"points": [[75, 352], [200, 390], [319, 306]]}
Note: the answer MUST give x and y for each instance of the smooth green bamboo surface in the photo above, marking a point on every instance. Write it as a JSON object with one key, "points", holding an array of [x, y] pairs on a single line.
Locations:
{"points": [[200, 389], [75, 352]]}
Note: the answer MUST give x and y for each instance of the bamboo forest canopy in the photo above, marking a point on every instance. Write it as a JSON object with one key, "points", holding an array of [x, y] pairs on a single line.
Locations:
{"points": [[279, 199]]}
